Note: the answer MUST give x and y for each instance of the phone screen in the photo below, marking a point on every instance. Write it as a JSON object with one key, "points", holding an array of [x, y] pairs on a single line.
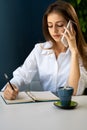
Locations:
{"points": [[63, 39]]}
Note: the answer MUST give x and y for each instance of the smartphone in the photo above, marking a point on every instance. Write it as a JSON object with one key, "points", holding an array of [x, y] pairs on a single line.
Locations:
{"points": [[63, 39]]}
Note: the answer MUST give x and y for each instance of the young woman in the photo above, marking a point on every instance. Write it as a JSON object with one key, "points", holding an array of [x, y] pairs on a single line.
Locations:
{"points": [[56, 64]]}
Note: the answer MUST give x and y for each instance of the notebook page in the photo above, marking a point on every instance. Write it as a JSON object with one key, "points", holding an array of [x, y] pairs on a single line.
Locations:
{"points": [[21, 98], [43, 95]]}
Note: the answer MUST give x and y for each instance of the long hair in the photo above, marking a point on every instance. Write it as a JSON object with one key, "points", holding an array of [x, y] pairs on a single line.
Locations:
{"points": [[69, 13]]}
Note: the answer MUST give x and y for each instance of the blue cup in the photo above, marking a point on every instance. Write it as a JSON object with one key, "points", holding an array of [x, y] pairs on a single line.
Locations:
{"points": [[65, 95]]}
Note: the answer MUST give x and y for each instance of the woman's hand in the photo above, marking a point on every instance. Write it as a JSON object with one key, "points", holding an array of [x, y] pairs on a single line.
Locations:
{"points": [[70, 35], [9, 93]]}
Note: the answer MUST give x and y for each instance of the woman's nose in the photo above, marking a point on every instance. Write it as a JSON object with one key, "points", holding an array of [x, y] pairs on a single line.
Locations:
{"points": [[55, 30]]}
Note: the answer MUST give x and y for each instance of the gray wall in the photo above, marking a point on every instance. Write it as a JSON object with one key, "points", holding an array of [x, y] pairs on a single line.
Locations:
{"points": [[20, 29]]}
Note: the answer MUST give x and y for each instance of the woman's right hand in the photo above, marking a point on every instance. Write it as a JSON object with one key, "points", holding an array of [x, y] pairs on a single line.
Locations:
{"points": [[10, 93]]}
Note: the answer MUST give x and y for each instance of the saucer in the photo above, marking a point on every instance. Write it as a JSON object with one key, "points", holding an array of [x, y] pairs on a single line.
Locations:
{"points": [[72, 105]]}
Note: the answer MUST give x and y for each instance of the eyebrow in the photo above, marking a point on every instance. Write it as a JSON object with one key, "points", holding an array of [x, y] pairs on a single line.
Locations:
{"points": [[57, 22]]}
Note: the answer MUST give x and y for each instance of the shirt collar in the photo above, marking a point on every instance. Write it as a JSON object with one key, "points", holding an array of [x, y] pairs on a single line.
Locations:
{"points": [[46, 48]]}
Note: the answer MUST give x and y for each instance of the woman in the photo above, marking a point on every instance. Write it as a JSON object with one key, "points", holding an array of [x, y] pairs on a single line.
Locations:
{"points": [[56, 64]]}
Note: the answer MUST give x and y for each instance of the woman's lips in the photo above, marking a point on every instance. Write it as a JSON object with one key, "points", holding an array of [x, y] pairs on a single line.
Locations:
{"points": [[56, 36]]}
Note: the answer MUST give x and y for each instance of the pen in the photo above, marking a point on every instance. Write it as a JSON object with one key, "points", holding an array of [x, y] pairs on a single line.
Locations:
{"points": [[6, 77]]}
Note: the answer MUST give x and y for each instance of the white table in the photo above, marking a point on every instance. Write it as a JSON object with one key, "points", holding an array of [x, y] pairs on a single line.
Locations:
{"points": [[43, 116]]}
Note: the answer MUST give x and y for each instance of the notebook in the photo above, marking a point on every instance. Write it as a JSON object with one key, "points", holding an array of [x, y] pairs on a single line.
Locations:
{"points": [[32, 96]]}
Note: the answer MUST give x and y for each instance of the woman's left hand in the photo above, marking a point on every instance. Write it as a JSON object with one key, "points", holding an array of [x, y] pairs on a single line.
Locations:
{"points": [[70, 35]]}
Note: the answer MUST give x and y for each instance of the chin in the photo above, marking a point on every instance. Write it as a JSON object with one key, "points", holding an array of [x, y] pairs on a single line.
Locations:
{"points": [[57, 41]]}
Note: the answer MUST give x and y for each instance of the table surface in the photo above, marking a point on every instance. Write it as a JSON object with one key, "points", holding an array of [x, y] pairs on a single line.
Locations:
{"points": [[43, 116]]}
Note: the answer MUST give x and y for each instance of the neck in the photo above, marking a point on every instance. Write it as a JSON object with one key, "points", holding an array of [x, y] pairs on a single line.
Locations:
{"points": [[58, 48]]}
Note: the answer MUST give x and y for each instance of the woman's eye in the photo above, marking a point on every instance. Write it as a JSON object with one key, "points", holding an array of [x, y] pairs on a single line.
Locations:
{"points": [[60, 25], [50, 26], [57, 25]]}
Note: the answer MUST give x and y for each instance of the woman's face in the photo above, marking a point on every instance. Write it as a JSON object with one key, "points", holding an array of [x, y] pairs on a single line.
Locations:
{"points": [[56, 23]]}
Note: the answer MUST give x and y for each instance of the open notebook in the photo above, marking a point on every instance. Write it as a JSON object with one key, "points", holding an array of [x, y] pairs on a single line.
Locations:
{"points": [[32, 96]]}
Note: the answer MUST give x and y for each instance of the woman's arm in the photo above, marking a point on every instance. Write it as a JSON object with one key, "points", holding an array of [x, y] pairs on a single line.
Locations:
{"points": [[74, 74], [22, 76]]}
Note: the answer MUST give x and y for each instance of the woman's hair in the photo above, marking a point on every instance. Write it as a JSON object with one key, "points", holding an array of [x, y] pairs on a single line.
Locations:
{"points": [[68, 12]]}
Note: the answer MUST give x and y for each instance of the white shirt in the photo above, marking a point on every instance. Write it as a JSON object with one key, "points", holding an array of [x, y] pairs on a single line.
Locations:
{"points": [[53, 73]]}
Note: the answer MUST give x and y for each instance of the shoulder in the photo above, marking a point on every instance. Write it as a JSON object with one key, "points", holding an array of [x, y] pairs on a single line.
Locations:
{"points": [[40, 47], [45, 45]]}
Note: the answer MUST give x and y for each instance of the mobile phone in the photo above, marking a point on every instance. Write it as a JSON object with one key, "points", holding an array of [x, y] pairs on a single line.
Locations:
{"points": [[63, 39]]}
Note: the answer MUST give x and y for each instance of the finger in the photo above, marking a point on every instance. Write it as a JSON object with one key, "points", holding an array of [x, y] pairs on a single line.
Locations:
{"points": [[16, 90], [67, 32], [10, 96], [70, 35], [9, 93], [71, 28]]}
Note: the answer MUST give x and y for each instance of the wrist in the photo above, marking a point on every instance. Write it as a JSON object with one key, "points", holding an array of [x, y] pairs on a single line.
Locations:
{"points": [[74, 52]]}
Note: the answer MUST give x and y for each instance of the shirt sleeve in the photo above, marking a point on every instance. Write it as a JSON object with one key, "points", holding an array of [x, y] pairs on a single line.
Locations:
{"points": [[24, 74], [82, 84]]}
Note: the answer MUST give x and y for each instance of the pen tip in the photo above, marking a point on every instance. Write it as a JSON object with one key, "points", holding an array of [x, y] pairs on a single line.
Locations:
{"points": [[5, 75]]}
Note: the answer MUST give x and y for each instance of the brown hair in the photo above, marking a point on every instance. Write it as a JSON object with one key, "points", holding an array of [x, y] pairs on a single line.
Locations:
{"points": [[68, 12]]}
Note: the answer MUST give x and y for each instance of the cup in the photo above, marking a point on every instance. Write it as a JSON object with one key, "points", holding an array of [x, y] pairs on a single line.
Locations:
{"points": [[65, 95]]}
